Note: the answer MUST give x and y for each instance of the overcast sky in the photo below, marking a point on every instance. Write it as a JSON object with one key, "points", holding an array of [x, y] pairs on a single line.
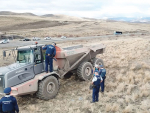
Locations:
{"points": [[80, 8]]}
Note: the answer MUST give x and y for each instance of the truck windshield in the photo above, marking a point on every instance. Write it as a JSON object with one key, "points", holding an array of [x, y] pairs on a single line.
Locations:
{"points": [[25, 56]]}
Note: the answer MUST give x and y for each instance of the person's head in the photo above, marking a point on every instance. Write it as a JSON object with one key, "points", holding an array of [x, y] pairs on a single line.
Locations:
{"points": [[101, 66], [7, 91], [96, 66], [54, 44], [96, 73]]}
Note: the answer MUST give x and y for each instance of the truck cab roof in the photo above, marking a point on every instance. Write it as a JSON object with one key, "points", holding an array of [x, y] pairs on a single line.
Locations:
{"points": [[30, 46]]}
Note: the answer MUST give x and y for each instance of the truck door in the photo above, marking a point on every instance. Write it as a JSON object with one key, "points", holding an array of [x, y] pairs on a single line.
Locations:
{"points": [[38, 67]]}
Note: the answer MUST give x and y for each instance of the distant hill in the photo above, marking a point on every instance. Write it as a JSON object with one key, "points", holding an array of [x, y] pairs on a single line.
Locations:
{"points": [[12, 13], [131, 19], [90, 18], [48, 15], [64, 17]]}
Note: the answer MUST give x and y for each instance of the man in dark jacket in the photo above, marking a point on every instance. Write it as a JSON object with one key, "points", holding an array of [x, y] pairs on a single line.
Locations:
{"points": [[96, 82], [8, 103], [102, 73], [50, 53]]}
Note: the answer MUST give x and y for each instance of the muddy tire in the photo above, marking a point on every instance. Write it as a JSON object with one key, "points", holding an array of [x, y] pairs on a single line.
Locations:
{"points": [[84, 71], [48, 88], [98, 61]]}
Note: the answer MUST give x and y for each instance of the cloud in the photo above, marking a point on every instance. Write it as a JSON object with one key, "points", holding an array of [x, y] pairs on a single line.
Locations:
{"points": [[81, 8]]}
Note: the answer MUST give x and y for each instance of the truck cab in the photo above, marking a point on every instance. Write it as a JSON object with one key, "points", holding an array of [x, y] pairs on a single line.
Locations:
{"points": [[29, 62]]}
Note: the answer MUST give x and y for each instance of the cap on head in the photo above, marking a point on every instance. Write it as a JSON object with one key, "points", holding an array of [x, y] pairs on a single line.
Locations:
{"points": [[101, 66], [96, 71], [54, 43], [7, 90]]}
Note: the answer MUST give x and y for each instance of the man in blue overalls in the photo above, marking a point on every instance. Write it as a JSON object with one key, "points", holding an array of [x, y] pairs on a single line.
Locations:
{"points": [[102, 73], [8, 104], [50, 53], [97, 79]]}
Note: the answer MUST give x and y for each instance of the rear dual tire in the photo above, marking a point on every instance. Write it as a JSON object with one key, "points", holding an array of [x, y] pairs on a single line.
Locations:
{"points": [[84, 71], [97, 61]]}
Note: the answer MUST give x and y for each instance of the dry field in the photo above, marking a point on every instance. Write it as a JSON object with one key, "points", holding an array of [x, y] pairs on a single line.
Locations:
{"points": [[56, 26], [127, 63]]}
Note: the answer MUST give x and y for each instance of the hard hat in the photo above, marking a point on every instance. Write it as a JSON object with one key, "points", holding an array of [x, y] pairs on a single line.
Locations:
{"points": [[101, 66], [7, 90]]}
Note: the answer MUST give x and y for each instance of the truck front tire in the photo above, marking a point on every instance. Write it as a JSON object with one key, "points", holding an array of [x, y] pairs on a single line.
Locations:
{"points": [[48, 88]]}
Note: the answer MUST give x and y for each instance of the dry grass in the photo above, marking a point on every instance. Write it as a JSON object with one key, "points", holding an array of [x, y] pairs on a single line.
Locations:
{"points": [[135, 96], [127, 99], [145, 105], [120, 87], [127, 84], [128, 109]]}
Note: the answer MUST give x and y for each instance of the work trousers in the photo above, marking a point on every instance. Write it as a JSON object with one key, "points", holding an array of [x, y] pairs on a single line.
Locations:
{"points": [[95, 94], [48, 61], [103, 84]]}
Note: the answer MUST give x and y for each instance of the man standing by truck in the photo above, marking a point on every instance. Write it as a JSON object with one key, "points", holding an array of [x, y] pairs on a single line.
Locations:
{"points": [[96, 82], [8, 104], [102, 73], [50, 53]]}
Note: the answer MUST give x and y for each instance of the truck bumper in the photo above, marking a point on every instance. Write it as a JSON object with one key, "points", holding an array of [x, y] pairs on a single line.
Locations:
{"points": [[28, 87]]}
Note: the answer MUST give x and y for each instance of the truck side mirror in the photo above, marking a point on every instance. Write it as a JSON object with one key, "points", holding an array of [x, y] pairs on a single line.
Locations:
{"points": [[4, 53]]}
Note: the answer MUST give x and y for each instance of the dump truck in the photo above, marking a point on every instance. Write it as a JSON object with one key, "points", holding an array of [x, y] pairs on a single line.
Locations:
{"points": [[27, 75]]}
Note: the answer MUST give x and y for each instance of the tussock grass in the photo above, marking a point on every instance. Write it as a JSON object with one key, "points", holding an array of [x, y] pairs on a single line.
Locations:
{"points": [[120, 87], [144, 93], [110, 94], [145, 105], [112, 107], [128, 109], [127, 99], [135, 96], [129, 90], [33, 108], [108, 107], [119, 78], [127, 83], [115, 107]]}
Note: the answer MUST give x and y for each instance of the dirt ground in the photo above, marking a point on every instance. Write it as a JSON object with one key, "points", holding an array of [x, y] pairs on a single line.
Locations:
{"points": [[126, 59]]}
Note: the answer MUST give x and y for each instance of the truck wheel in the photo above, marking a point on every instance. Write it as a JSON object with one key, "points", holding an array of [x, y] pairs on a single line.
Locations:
{"points": [[48, 88], [98, 61], [84, 71]]}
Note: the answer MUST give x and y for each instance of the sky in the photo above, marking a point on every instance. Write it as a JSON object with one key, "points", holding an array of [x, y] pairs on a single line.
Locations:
{"points": [[80, 8]]}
